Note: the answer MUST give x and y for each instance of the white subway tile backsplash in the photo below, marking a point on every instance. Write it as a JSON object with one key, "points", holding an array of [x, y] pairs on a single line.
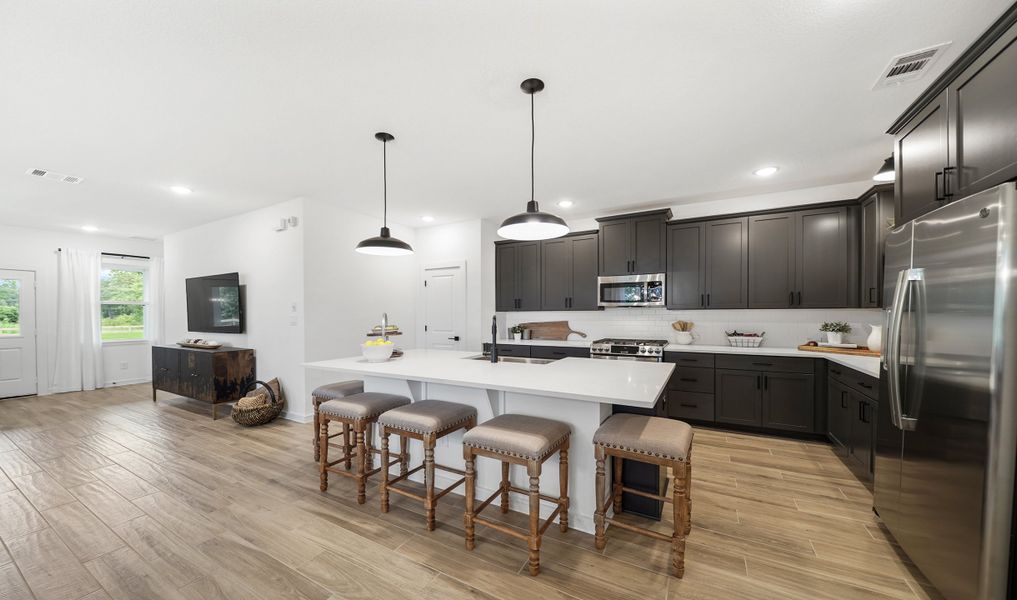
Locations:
{"points": [[784, 328]]}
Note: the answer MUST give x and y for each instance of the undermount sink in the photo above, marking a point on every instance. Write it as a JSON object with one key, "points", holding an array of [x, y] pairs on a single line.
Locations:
{"points": [[513, 359]]}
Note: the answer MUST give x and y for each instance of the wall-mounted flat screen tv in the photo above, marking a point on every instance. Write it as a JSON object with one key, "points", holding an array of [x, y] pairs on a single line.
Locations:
{"points": [[215, 304]]}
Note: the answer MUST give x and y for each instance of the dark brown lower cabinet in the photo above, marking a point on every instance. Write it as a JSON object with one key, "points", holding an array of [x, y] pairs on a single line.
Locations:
{"points": [[788, 401], [738, 397], [851, 418], [861, 448], [213, 376], [838, 412]]}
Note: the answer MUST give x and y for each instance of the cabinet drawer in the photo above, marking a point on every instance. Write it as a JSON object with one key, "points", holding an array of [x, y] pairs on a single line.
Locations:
{"points": [[690, 405], [865, 385], [689, 359], [785, 364], [513, 350], [556, 352], [692, 379]]}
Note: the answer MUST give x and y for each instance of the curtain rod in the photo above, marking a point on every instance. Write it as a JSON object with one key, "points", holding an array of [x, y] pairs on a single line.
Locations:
{"points": [[118, 255]]}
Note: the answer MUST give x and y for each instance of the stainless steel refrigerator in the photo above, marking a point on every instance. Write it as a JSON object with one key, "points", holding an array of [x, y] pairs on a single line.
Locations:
{"points": [[946, 443]]}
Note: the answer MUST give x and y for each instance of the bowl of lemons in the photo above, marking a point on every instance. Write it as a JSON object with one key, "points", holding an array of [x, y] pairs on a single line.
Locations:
{"points": [[377, 350]]}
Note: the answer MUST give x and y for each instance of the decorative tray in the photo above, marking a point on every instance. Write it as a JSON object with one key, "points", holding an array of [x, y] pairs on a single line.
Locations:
{"points": [[199, 346]]}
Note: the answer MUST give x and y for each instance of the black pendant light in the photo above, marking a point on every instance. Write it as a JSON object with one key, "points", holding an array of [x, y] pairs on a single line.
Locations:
{"points": [[532, 224], [886, 172], [384, 244]]}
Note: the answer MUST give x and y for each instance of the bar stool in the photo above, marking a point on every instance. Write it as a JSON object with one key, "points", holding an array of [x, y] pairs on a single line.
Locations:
{"points": [[356, 412], [522, 440], [427, 421], [333, 391], [654, 440]]}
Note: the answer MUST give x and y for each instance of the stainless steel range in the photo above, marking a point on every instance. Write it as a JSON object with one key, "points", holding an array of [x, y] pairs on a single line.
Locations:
{"points": [[622, 349]]}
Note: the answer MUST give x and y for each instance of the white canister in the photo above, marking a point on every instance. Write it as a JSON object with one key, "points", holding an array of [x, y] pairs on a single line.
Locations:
{"points": [[875, 341], [684, 337]]}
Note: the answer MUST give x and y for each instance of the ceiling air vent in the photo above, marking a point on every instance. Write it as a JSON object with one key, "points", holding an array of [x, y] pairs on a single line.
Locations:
{"points": [[54, 176], [910, 66]]}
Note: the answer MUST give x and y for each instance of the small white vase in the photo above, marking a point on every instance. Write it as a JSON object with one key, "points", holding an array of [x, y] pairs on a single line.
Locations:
{"points": [[683, 337], [834, 337], [517, 335], [875, 341]]}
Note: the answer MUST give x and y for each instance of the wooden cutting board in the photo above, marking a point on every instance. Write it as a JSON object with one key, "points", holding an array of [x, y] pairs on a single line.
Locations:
{"points": [[861, 351], [550, 330]]}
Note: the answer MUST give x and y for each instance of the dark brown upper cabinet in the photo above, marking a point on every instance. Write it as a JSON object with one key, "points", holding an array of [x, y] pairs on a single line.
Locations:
{"points": [[635, 243], [983, 121], [569, 273], [686, 266], [920, 157], [802, 259], [876, 220], [960, 136], [517, 276], [726, 278]]}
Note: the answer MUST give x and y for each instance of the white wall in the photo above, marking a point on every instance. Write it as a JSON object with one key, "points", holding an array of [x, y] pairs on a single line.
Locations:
{"points": [[35, 250], [453, 242], [271, 270]]}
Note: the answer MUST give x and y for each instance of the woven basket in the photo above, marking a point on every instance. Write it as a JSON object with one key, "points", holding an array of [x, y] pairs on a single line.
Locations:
{"points": [[259, 415]]}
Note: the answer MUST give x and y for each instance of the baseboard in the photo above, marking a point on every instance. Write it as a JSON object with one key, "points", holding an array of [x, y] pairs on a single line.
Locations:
{"points": [[296, 417], [128, 381]]}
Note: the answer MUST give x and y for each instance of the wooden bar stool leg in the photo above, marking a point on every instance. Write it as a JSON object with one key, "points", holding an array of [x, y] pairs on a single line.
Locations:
{"points": [[468, 516], [504, 487], [598, 515], [317, 432], [533, 469], [563, 486], [384, 470], [617, 487], [679, 506], [688, 494], [347, 447], [404, 454], [323, 454], [429, 480], [369, 446], [361, 464]]}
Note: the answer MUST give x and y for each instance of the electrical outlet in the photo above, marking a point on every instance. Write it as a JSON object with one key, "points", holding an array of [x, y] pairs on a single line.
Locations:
{"points": [[123, 365]]}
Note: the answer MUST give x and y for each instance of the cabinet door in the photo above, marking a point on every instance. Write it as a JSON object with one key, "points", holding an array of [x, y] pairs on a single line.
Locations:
{"points": [[584, 273], [686, 248], [727, 269], [556, 272], [616, 247], [862, 449], [772, 261], [822, 254], [838, 413], [872, 254], [648, 254], [528, 275], [166, 368], [505, 277], [789, 401], [983, 121], [737, 397], [920, 156]]}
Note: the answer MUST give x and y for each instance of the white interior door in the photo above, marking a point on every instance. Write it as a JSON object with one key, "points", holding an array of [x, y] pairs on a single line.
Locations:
{"points": [[17, 333], [445, 306]]}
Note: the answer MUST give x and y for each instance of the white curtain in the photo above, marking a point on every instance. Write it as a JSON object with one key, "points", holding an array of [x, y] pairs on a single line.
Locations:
{"points": [[156, 318], [78, 364]]}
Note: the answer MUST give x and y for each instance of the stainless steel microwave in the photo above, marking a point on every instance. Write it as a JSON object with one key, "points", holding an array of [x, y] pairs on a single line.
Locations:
{"points": [[631, 290]]}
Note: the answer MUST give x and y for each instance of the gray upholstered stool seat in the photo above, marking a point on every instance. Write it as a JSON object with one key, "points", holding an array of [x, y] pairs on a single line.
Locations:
{"points": [[652, 436], [427, 416], [331, 391], [521, 436], [340, 389], [367, 405]]}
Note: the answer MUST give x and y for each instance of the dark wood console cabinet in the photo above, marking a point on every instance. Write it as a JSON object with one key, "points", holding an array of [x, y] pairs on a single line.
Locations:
{"points": [[213, 376]]}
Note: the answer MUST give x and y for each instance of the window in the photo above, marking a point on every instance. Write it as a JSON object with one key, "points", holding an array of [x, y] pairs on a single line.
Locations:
{"points": [[123, 296], [10, 307]]}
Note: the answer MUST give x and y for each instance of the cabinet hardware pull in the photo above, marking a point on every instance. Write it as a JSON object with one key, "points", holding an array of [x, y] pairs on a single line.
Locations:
{"points": [[843, 400], [557, 353], [939, 197], [688, 360], [702, 299], [758, 364], [690, 379], [758, 377], [799, 298], [790, 298], [688, 405], [872, 294], [947, 192], [865, 385], [766, 381], [708, 299]]}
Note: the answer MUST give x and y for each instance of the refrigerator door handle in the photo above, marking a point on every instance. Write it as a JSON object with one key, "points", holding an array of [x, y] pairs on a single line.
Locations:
{"points": [[916, 284], [892, 357]]}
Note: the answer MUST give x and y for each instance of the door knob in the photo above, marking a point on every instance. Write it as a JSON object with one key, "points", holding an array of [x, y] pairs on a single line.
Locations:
{"points": [[454, 338]]}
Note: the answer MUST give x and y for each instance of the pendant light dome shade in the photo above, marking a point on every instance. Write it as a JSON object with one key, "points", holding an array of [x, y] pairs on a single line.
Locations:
{"points": [[384, 244], [532, 224], [886, 172]]}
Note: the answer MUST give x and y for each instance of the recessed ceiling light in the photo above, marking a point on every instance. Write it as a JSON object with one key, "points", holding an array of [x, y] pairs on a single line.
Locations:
{"points": [[765, 171], [427, 218], [181, 189], [89, 228], [565, 203]]}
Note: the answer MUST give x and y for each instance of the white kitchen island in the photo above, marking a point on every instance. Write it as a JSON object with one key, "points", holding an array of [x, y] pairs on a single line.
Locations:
{"points": [[577, 391]]}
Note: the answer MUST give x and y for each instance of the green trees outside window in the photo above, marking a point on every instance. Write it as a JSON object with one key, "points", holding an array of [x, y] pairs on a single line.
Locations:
{"points": [[122, 297]]}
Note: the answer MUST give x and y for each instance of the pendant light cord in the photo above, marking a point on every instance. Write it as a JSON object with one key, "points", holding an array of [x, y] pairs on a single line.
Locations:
{"points": [[533, 144], [384, 170]]}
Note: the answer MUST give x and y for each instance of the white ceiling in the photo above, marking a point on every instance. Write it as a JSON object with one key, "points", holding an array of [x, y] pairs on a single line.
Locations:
{"points": [[252, 102]]}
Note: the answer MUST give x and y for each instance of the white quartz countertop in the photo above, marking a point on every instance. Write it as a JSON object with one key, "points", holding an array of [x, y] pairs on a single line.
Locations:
{"points": [[629, 383], [865, 364]]}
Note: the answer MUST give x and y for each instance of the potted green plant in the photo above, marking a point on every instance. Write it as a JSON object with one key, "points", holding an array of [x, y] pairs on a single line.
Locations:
{"points": [[835, 331], [516, 331]]}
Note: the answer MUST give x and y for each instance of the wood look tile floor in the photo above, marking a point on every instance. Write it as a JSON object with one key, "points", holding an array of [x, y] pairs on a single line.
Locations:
{"points": [[105, 495]]}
